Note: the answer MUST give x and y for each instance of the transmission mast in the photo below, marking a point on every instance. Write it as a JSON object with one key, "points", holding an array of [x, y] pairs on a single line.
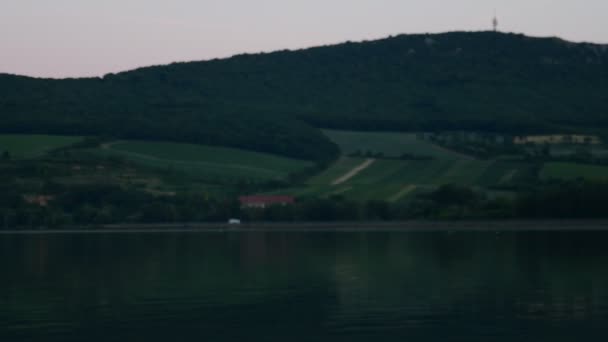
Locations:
{"points": [[495, 22]]}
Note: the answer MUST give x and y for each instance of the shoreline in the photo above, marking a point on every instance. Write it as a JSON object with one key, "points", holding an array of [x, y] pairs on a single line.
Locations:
{"points": [[346, 227]]}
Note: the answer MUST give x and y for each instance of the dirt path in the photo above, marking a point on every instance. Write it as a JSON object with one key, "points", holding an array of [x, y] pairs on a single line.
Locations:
{"points": [[402, 193], [352, 173], [108, 145], [508, 177]]}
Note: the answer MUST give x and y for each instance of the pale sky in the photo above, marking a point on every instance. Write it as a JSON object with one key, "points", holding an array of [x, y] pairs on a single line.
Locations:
{"points": [[73, 38]]}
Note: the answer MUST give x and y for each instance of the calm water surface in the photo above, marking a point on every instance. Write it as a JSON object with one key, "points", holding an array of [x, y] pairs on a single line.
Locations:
{"points": [[279, 286]]}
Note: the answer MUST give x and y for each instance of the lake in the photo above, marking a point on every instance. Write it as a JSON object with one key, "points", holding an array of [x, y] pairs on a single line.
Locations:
{"points": [[305, 286]]}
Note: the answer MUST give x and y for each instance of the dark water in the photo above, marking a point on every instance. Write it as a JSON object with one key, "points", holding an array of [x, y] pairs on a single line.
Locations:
{"points": [[305, 287]]}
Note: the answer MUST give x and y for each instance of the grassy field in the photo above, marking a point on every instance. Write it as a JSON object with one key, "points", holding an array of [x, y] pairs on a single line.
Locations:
{"points": [[396, 180], [389, 144], [505, 172], [31, 146], [569, 150], [393, 180], [215, 163], [390, 179], [573, 171]]}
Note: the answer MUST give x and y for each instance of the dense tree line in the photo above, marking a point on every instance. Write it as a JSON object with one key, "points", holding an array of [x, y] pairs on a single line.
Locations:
{"points": [[567, 200], [105, 204], [272, 102]]}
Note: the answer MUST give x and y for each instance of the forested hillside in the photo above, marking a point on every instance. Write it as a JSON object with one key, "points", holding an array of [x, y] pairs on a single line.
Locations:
{"points": [[276, 102]]}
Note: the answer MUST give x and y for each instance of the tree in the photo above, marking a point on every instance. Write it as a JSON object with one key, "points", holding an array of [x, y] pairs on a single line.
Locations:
{"points": [[451, 194], [6, 155], [546, 150], [377, 210]]}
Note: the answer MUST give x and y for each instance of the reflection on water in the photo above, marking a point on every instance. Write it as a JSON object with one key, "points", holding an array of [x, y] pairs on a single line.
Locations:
{"points": [[304, 287]]}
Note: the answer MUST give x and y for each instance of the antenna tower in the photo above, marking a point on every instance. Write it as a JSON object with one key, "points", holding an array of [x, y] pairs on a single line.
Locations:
{"points": [[495, 22]]}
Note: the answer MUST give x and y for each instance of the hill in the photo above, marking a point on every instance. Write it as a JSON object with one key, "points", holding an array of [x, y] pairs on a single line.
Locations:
{"points": [[276, 102], [31, 146]]}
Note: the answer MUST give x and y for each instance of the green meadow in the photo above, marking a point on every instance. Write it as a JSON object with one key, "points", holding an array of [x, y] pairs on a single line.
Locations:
{"points": [[569, 171], [30, 146], [208, 162], [396, 180], [388, 178]]}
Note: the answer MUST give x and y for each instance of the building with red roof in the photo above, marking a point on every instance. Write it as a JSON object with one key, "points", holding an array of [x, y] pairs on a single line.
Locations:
{"points": [[265, 201]]}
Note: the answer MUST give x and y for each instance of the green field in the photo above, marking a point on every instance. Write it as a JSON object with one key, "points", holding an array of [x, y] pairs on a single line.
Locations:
{"points": [[570, 150], [569, 171], [389, 144], [506, 172], [395, 180], [215, 163], [384, 179], [391, 179], [31, 146]]}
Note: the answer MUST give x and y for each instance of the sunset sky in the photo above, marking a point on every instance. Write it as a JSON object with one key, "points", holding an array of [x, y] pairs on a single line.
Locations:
{"points": [[73, 38]]}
